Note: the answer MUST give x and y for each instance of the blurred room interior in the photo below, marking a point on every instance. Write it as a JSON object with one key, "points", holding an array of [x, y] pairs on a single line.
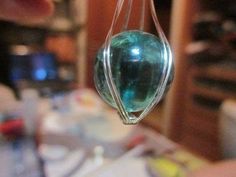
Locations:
{"points": [[54, 124]]}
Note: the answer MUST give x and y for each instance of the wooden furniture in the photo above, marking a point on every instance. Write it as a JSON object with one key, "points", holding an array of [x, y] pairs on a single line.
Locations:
{"points": [[61, 35], [225, 168], [198, 90]]}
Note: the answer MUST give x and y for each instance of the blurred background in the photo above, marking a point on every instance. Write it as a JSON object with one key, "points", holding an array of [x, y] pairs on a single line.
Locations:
{"points": [[53, 123]]}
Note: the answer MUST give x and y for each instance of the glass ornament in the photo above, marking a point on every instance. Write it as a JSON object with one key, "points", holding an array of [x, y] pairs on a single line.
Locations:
{"points": [[133, 69]]}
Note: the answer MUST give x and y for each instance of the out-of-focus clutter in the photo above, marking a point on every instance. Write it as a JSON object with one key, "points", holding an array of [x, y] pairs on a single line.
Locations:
{"points": [[18, 147], [45, 55], [155, 156], [227, 129], [208, 75], [37, 65], [10, 124], [7, 98], [76, 134], [20, 158], [52, 126]]}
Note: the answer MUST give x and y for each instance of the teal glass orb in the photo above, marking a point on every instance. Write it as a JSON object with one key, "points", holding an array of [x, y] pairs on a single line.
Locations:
{"points": [[137, 63]]}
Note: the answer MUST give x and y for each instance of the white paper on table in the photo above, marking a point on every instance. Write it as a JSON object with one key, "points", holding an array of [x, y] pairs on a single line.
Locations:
{"points": [[130, 164], [127, 167], [61, 168]]}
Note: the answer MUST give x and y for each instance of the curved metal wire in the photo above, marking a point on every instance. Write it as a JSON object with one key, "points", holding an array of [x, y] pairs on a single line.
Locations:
{"points": [[127, 16], [142, 18], [129, 118]]}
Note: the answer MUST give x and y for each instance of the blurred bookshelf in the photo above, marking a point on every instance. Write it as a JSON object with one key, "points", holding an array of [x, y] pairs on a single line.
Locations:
{"points": [[205, 72], [62, 36]]}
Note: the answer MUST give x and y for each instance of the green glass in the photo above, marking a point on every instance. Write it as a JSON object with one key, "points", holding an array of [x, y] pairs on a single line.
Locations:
{"points": [[137, 62]]}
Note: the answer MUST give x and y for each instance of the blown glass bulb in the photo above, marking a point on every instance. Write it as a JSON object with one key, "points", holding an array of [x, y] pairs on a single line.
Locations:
{"points": [[137, 62], [133, 68]]}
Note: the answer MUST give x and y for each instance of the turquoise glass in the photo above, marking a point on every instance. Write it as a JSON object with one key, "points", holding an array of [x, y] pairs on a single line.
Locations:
{"points": [[137, 63]]}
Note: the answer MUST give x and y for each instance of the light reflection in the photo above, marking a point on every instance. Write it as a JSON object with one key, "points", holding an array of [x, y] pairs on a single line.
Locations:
{"points": [[135, 51]]}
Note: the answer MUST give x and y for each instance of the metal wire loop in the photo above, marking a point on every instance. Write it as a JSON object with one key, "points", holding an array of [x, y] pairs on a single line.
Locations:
{"points": [[129, 118]]}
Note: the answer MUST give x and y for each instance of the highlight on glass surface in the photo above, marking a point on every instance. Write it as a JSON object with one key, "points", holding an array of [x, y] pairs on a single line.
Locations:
{"points": [[134, 68]]}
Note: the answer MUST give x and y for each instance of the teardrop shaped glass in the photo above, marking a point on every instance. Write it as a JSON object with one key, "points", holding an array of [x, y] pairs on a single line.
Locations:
{"points": [[134, 68]]}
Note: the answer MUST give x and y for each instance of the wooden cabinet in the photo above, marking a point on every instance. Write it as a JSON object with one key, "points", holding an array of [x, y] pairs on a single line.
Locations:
{"points": [[192, 108]]}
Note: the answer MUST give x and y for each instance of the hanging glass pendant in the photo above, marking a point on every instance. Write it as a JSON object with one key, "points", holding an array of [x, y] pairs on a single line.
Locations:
{"points": [[133, 69]]}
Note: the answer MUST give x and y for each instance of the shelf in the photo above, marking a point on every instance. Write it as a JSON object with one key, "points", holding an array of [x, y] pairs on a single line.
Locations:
{"points": [[201, 83], [228, 87], [212, 93], [214, 72], [206, 102], [211, 114]]}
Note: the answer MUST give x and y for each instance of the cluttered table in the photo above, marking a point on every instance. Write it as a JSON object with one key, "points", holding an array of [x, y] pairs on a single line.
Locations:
{"points": [[144, 154], [79, 136]]}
